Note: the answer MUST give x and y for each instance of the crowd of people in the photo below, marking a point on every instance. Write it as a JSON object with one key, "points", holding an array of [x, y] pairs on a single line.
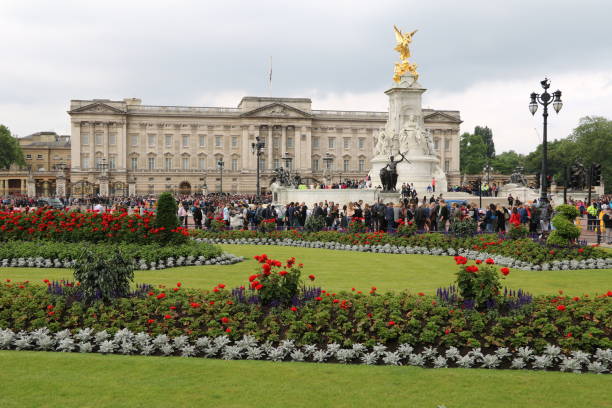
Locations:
{"points": [[244, 211]]}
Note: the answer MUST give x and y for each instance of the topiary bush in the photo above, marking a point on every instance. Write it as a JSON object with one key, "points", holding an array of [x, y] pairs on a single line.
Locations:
{"points": [[166, 219], [565, 232], [103, 275], [479, 283], [518, 232], [464, 228], [314, 223]]}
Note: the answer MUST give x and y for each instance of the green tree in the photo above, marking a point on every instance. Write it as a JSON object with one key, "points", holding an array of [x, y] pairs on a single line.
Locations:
{"points": [[10, 151], [473, 153], [167, 218], [486, 135], [506, 162]]}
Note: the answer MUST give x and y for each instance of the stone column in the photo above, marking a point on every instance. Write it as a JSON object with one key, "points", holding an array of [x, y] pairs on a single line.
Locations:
{"points": [[245, 148], [121, 140], [31, 186], [283, 141], [270, 148], [60, 185], [75, 146], [105, 137]]}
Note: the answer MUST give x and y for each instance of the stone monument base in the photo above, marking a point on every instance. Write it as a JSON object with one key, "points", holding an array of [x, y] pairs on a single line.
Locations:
{"points": [[418, 171], [283, 196]]}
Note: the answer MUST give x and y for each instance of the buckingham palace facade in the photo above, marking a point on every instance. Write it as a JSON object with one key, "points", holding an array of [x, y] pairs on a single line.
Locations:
{"points": [[144, 149]]}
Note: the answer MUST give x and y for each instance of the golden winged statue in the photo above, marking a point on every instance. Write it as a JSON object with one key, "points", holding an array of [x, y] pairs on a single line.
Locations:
{"points": [[404, 66]]}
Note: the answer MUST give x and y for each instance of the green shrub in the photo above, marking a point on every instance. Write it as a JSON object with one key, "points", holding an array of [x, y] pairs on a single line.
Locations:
{"points": [[464, 228], [565, 232], [314, 223], [406, 229], [103, 275], [479, 283], [267, 225], [356, 226], [274, 282], [166, 219], [518, 232]]}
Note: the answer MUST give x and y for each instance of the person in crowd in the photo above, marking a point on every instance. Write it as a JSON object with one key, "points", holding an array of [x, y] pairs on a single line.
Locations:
{"points": [[490, 218], [607, 221], [197, 216]]}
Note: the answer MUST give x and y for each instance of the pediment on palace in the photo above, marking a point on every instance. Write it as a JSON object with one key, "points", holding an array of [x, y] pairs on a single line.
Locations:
{"points": [[441, 117], [97, 108], [277, 110]]}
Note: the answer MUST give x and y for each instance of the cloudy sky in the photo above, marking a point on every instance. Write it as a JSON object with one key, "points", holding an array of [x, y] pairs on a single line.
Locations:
{"points": [[483, 58]]}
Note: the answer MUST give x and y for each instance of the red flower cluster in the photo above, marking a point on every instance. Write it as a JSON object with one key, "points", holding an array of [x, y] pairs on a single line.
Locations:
{"points": [[65, 225], [471, 268], [461, 260], [505, 271]]}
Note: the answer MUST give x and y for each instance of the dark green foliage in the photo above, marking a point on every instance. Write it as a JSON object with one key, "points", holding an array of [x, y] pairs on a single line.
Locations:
{"points": [[104, 275], [71, 251], [464, 228], [10, 150], [565, 232], [167, 218], [481, 285], [518, 232], [314, 223]]}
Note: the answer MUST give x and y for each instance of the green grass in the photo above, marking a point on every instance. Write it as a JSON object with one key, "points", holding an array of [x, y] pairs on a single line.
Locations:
{"points": [[341, 270], [39, 379]]}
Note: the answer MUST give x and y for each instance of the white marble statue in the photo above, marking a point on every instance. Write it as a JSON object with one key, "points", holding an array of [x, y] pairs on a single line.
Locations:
{"points": [[428, 146]]}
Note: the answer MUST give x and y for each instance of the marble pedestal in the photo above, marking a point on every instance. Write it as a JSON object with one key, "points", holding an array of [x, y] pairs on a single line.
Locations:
{"points": [[419, 171]]}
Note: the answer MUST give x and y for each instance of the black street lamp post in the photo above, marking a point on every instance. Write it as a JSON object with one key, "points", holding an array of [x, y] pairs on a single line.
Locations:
{"points": [[257, 148], [220, 165], [545, 99]]}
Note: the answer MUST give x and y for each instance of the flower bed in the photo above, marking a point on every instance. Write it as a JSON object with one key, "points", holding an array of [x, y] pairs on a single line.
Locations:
{"points": [[521, 254], [346, 318], [87, 340], [77, 226], [151, 256]]}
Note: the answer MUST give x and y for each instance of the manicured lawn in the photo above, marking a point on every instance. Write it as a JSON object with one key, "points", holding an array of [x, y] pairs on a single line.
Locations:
{"points": [[43, 379], [341, 270]]}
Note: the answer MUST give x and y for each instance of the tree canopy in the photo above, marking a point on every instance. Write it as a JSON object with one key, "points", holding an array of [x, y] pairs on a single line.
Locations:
{"points": [[10, 151]]}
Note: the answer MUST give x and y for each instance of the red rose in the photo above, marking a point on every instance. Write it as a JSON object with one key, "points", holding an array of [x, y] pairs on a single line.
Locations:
{"points": [[294, 309], [161, 296], [51, 313], [259, 287], [421, 294], [167, 316], [447, 331], [228, 330], [551, 252], [311, 277], [266, 268], [225, 320], [178, 284], [222, 285], [150, 321], [490, 261], [282, 273], [576, 298], [569, 334], [252, 278], [580, 250], [172, 307], [561, 308], [505, 271], [336, 301], [391, 323], [195, 305], [50, 307], [478, 261], [175, 289], [319, 298]]}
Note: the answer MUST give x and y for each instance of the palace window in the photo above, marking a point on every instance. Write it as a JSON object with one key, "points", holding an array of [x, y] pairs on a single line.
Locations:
{"points": [[98, 137], [151, 163], [262, 163], [347, 143], [234, 141], [185, 163], [361, 142], [346, 164], [39, 156], [168, 140], [218, 141], [446, 165], [134, 163], [289, 142], [201, 163], [234, 164], [85, 138], [111, 162], [447, 145], [202, 139], [168, 163], [361, 165], [85, 162], [315, 142], [436, 143], [134, 140], [329, 164], [275, 142], [331, 143], [151, 140], [275, 164], [315, 164], [112, 139], [28, 156], [185, 140]]}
